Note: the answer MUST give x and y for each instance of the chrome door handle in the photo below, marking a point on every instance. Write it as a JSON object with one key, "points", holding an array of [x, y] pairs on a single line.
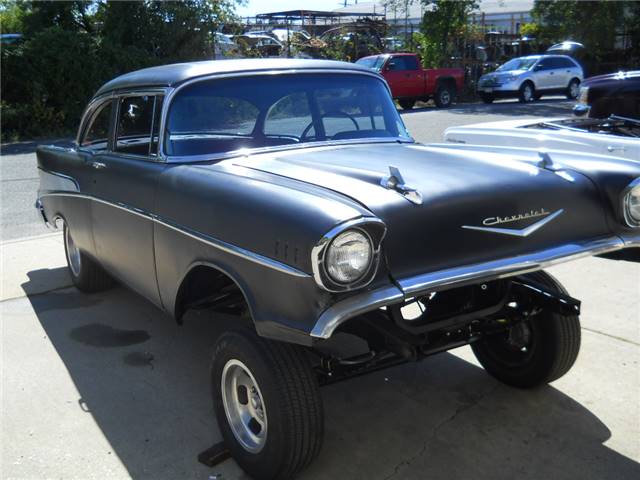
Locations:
{"points": [[612, 148], [98, 165]]}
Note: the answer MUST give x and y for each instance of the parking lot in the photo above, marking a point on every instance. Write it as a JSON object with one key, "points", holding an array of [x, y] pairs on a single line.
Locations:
{"points": [[107, 386]]}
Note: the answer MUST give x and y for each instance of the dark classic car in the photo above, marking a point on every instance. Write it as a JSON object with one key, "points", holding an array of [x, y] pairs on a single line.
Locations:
{"points": [[612, 94], [289, 194]]}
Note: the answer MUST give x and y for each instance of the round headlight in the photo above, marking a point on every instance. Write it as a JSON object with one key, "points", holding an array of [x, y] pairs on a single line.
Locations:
{"points": [[632, 206], [349, 256]]}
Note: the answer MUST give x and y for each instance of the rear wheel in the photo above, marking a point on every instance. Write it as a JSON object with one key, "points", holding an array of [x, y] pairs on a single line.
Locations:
{"points": [[407, 103], [444, 96], [534, 351], [85, 273], [573, 90], [526, 93], [267, 403]]}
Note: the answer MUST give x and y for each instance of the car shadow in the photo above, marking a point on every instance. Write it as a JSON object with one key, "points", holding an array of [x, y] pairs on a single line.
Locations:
{"points": [[145, 382], [544, 107]]}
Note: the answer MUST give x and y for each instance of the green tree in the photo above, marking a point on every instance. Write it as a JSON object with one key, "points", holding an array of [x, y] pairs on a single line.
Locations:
{"points": [[11, 17], [443, 20], [71, 48], [592, 22]]}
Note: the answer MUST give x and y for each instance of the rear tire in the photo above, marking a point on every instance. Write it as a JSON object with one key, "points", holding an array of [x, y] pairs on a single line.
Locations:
{"points": [[444, 96], [407, 103], [85, 273], [526, 93], [487, 98], [283, 434], [573, 90], [550, 352]]}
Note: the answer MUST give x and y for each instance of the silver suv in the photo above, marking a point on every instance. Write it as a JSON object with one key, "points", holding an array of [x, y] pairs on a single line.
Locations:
{"points": [[528, 78]]}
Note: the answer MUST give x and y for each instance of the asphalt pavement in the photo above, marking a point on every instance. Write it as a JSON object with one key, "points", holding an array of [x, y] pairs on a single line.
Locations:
{"points": [[106, 386]]}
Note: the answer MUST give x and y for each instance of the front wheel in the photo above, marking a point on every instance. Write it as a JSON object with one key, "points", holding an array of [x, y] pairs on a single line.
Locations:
{"points": [[267, 403], [526, 93], [536, 350], [85, 273], [573, 90]]}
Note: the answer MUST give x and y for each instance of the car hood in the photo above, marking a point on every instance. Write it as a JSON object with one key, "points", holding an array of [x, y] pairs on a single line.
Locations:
{"points": [[476, 206], [611, 78]]}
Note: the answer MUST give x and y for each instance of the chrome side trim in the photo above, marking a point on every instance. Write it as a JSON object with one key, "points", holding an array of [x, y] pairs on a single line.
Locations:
{"points": [[211, 241], [55, 181], [457, 277], [235, 250]]}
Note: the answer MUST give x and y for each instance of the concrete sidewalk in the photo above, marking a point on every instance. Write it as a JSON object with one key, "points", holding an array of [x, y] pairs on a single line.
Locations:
{"points": [[106, 386]]}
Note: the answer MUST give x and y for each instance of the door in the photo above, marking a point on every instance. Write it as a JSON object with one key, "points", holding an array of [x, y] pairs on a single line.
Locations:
{"points": [[404, 76], [559, 72], [543, 75], [124, 187]]}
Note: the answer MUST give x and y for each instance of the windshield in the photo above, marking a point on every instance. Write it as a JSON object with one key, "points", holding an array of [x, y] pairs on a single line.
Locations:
{"points": [[524, 63], [374, 63], [217, 116]]}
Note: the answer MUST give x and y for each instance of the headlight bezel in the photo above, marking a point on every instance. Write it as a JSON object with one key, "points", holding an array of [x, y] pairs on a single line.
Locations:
{"points": [[629, 219], [374, 231], [327, 263]]}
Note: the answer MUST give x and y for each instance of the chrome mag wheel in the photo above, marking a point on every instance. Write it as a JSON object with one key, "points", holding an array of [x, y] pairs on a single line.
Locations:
{"points": [[73, 253], [445, 97], [244, 406], [527, 93]]}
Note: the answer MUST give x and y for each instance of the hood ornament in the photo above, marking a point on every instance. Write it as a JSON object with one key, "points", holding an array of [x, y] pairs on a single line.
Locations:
{"points": [[523, 232], [395, 182]]}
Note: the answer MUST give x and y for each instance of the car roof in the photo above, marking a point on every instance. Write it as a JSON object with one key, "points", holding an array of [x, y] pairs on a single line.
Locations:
{"points": [[174, 74]]}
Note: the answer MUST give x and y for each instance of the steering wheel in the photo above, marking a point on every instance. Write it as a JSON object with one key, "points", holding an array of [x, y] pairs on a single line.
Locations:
{"points": [[332, 114]]}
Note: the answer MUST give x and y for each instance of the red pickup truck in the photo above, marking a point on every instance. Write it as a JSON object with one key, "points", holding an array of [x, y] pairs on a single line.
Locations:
{"points": [[410, 82]]}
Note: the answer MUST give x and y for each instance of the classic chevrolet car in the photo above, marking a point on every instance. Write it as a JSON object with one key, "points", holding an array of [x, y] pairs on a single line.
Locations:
{"points": [[288, 194], [615, 136]]}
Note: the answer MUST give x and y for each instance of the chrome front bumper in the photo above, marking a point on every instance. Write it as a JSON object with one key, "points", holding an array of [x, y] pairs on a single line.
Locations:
{"points": [[367, 301]]}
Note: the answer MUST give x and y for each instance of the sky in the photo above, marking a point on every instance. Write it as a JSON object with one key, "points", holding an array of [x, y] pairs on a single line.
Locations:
{"points": [[264, 6]]}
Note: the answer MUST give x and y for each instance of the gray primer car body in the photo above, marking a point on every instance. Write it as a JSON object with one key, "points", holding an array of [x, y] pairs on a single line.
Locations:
{"points": [[259, 216]]}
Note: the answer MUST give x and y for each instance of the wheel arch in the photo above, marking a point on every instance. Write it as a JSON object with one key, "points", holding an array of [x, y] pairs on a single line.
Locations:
{"points": [[531, 81], [203, 279], [447, 81]]}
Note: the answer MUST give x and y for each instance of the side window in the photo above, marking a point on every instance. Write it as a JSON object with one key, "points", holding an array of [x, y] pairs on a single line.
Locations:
{"points": [[411, 63], [96, 136], [566, 63], [556, 63], [397, 64], [155, 135], [135, 118], [543, 65]]}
